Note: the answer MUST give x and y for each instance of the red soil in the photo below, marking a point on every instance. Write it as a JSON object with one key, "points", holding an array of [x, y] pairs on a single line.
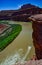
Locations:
{"points": [[3, 27]]}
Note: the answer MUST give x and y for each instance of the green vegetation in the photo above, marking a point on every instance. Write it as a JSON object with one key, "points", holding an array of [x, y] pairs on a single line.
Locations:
{"points": [[10, 36]]}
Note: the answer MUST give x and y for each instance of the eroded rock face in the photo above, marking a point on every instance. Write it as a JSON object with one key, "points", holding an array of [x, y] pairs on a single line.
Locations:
{"points": [[21, 14], [37, 34]]}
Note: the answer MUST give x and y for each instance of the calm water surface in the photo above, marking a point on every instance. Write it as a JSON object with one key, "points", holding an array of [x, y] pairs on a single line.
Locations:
{"points": [[19, 48]]}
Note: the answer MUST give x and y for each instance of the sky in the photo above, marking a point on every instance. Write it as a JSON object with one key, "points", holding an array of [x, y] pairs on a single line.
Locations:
{"points": [[16, 4]]}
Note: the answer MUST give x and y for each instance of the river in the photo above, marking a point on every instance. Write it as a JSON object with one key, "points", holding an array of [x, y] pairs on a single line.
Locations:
{"points": [[19, 48]]}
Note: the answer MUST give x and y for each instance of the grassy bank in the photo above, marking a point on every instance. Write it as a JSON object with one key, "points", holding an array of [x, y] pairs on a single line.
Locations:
{"points": [[10, 36]]}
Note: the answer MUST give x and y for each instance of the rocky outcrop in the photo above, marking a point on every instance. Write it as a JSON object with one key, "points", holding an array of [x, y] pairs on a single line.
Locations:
{"points": [[21, 14], [37, 34]]}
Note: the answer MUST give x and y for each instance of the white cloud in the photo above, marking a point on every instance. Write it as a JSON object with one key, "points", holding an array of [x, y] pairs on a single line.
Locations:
{"points": [[19, 6]]}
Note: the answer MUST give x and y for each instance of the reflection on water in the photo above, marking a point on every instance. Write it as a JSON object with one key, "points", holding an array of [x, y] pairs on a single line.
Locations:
{"points": [[18, 56], [19, 49], [12, 59]]}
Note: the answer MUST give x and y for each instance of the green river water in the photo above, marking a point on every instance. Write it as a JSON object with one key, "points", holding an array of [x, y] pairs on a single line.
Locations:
{"points": [[21, 48]]}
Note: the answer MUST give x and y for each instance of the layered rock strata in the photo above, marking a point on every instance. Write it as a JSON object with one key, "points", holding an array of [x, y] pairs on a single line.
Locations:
{"points": [[37, 34]]}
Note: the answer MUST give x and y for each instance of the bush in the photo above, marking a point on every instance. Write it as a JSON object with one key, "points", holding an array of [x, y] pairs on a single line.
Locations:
{"points": [[9, 37]]}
